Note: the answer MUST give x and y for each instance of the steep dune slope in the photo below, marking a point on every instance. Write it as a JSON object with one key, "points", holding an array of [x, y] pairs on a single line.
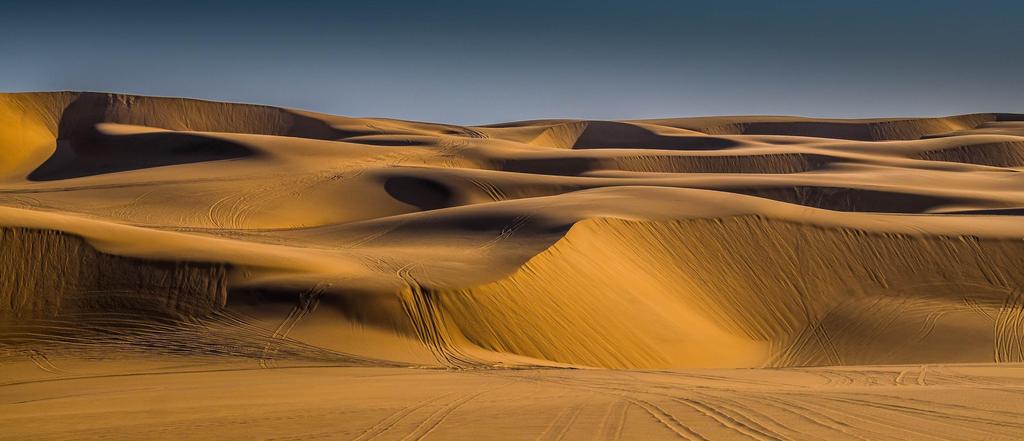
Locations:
{"points": [[745, 291], [695, 242], [49, 274], [28, 131], [1001, 153]]}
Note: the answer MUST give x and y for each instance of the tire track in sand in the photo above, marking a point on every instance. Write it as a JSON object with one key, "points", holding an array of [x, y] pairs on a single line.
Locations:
{"points": [[432, 422], [393, 419]]}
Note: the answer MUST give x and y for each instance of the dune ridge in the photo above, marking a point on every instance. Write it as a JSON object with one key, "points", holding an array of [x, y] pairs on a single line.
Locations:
{"points": [[746, 286]]}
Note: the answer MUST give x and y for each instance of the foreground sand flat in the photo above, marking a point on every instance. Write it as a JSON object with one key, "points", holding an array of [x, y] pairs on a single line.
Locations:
{"points": [[199, 399], [719, 277]]}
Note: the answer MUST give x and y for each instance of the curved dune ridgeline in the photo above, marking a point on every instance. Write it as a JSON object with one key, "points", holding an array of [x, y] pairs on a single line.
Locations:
{"points": [[751, 291], [271, 234]]}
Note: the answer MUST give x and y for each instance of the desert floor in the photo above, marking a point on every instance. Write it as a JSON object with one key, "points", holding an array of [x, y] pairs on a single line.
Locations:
{"points": [[203, 399]]}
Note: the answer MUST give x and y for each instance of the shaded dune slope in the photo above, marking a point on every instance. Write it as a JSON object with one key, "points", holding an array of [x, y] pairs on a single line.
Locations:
{"points": [[692, 242], [862, 130], [50, 274], [997, 154]]}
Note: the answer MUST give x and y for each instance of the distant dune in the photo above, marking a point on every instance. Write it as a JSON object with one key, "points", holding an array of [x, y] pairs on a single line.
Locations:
{"points": [[140, 228]]}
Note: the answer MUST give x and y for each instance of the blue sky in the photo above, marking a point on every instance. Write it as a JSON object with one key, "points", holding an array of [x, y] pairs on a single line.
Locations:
{"points": [[480, 62]]}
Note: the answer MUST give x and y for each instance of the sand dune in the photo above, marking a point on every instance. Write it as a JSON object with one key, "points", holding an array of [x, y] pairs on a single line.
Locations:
{"points": [[148, 230]]}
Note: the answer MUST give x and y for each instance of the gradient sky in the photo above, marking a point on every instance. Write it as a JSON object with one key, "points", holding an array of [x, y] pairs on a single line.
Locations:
{"points": [[480, 62]]}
